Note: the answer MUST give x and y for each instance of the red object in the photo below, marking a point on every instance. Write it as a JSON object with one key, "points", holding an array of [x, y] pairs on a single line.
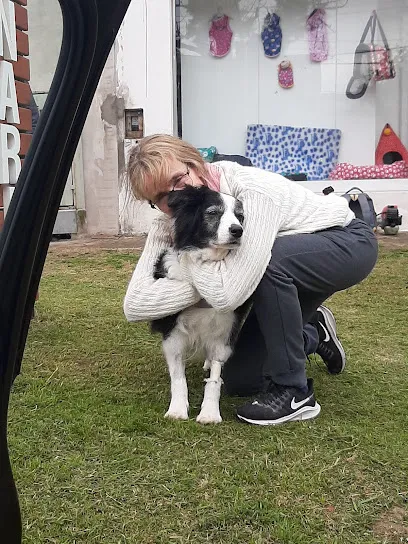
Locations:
{"points": [[285, 74], [397, 170], [382, 62], [385, 210], [381, 58], [390, 219], [389, 143], [220, 36]]}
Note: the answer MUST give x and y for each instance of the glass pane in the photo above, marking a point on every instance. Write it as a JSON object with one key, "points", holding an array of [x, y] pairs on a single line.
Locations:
{"points": [[273, 80]]}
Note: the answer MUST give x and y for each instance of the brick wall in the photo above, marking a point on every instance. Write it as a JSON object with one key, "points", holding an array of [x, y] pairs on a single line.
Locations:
{"points": [[21, 70]]}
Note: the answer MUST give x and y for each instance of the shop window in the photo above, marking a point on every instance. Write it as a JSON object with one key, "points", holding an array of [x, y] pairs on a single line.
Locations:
{"points": [[297, 87]]}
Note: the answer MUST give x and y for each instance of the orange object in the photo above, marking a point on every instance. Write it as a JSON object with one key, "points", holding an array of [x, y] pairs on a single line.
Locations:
{"points": [[390, 149]]}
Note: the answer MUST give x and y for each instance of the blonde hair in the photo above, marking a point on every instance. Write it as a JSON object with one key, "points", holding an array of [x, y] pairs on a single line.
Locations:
{"points": [[148, 168]]}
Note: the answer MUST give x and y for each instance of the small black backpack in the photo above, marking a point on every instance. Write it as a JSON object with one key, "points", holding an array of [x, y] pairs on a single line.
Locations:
{"points": [[360, 203]]}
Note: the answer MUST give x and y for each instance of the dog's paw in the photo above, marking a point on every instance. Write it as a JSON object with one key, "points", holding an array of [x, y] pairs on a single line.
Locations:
{"points": [[206, 417], [172, 266], [177, 412], [176, 415]]}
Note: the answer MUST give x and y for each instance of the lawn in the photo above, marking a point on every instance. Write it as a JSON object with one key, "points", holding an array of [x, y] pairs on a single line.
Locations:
{"points": [[96, 462]]}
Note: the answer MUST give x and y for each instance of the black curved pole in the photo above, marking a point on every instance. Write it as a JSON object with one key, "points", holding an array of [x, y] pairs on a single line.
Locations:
{"points": [[89, 30]]}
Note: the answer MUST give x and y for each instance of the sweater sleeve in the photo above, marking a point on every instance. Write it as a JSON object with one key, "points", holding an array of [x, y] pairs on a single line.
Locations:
{"points": [[148, 299], [227, 284]]}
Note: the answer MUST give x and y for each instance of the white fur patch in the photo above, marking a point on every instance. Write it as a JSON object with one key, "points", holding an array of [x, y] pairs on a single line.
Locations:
{"points": [[210, 407], [173, 348], [227, 220], [198, 328], [172, 265]]}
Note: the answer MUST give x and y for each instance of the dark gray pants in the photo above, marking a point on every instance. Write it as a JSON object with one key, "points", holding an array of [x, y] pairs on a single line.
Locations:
{"points": [[304, 270]]}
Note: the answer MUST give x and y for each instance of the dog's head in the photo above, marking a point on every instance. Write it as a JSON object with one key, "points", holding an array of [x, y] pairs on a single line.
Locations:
{"points": [[204, 218]]}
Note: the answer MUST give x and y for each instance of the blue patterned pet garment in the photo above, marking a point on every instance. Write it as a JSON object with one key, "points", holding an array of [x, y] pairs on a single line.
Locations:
{"points": [[294, 150], [272, 35]]}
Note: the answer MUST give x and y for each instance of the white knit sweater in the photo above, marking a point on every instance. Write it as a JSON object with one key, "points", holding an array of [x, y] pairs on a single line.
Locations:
{"points": [[273, 206]]}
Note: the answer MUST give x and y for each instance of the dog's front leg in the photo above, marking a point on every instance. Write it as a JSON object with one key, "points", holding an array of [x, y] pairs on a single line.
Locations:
{"points": [[173, 351], [210, 407]]}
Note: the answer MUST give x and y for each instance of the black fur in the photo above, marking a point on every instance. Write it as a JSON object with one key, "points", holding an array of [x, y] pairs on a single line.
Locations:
{"points": [[240, 315], [165, 325], [193, 227], [239, 211], [159, 270]]}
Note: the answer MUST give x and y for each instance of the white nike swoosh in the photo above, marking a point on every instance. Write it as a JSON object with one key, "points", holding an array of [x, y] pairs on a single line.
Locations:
{"points": [[294, 405], [327, 337]]}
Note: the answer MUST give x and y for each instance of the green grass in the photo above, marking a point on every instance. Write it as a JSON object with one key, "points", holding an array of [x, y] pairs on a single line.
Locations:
{"points": [[96, 462]]}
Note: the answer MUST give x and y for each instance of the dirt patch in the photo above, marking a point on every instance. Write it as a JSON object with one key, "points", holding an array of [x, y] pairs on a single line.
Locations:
{"points": [[392, 526], [399, 241], [82, 245]]}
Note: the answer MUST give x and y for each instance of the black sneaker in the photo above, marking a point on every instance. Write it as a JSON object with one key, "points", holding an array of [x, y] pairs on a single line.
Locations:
{"points": [[329, 348], [280, 404]]}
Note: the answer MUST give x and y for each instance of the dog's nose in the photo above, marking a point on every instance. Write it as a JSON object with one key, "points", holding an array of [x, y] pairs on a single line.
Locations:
{"points": [[236, 231]]}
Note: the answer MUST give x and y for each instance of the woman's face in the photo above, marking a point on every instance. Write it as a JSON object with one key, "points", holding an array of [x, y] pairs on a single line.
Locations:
{"points": [[180, 175]]}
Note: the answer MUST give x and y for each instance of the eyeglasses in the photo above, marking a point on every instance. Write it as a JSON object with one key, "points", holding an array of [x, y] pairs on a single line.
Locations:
{"points": [[178, 183]]}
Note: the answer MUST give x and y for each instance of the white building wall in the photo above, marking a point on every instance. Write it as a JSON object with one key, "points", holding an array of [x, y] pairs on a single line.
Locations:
{"points": [[144, 64], [100, 155]]}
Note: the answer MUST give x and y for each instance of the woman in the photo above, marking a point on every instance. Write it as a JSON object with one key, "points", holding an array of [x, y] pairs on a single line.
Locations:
{"points": [[297, 250]]}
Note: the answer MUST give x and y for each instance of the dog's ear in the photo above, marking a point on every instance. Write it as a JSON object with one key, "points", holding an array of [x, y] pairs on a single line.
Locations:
{"points": [[186, 206], [186, 199]]}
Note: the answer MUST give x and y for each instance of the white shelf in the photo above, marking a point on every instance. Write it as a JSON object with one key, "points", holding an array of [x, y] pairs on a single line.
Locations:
{"points": [[373, 185]]}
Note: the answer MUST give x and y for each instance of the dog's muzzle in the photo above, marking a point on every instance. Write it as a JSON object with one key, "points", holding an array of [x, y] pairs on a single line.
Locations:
{"points": [[236, 231]]}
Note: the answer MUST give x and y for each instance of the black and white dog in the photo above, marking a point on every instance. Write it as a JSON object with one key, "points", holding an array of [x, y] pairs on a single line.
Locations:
{"points": [[210, 223]]}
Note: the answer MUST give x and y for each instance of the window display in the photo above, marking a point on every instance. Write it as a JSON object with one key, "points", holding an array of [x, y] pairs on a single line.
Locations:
{"points": [[297, 87]]}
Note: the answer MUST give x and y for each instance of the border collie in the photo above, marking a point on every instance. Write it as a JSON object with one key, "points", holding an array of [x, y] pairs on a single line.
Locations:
{"points": [[210, 223]]}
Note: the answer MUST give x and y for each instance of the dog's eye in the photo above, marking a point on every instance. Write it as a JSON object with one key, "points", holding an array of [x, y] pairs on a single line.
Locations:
{"points": [[240, 217], [211, 212]]}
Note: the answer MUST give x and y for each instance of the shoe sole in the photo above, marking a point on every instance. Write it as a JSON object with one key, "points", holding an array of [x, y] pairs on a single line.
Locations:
{"points": [[330, 324], [307, 412]]}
